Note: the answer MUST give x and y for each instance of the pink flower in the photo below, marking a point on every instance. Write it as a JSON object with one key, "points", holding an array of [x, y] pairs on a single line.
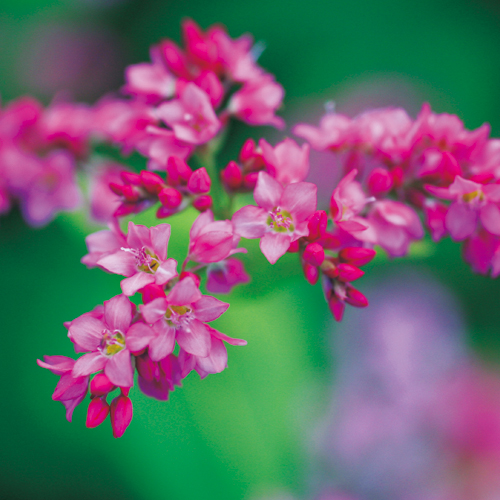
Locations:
{"points": [[211, 241], [332, 133], [106, 341], [70, 390], [257, 101], [223, 276], [286, 162], [191, 117], [181, 316], [280, 217], [143, 259]]}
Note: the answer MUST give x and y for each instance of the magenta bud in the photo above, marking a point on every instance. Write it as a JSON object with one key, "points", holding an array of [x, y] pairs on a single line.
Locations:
{"points": [[317, 225], [247, 151], [357, 256], [355, 297], [131, 178], [200, 181], [329, 269], [178, 171], [130, 194], [100, 385], [116, 188], [202, 203], [124, 209], [209, 82], [175, 59], [152, 182], [231, 176], [151, 292], [314, 254], [294, 247], [121, 415], [187, 274], [250, 180], [311, 273], [348, 272], [337, 307], [379, 181], [97, 412], [170, 197], [164, 212]]}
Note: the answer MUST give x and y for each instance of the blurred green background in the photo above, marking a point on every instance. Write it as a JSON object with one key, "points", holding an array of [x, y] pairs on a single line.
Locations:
{"points": [[242, 433]]}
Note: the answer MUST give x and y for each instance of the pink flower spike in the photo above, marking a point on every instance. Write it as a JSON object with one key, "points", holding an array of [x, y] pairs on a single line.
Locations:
{"points": [[191, 116], [97, 412], [121, 415]]}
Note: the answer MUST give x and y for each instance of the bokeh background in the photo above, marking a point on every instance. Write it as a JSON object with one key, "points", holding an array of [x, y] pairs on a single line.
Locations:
{"points": [[274, 423]]}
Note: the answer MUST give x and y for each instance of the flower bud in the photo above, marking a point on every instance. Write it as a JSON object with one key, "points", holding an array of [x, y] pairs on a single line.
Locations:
{"points": [[314, 254], [194, 276], [121, 415], [178, 171], [202, 203], [97, 412], [209, 82], [130, 194], [311, 273], [348, 272], [175, 59], [294, 247], [152, 182], [151, 292], [231, 176], [357, 256], [355, 297], [130, 178], [317, 225], [100, 385], [247, 151], [200, 181], [379, 181], [250, 180], [337, 307], [170, 197]]}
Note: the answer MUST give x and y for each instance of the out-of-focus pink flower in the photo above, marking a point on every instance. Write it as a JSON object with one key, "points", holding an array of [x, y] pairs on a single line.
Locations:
{"points": [[223, 276], [158, 379], [287, 162], [257, 101], [106, 341], [280, 217], [143, 259], [70, 390], [191, 117]]}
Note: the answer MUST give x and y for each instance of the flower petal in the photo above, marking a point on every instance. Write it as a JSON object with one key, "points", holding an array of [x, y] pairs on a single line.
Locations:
{"points": [[216, 361], [300, 199], [154, 310], [119, 369], [166, 271], [274, 245], [250, 222], [163, 343], [159, 239], [490, 217], [185, 292], [267, 192], [118, 313], [194, 338], [138, 336], [138, 236], [209, 308], [88, 363], [460, 221], [86, 331], [139, 280], [120, 262]]}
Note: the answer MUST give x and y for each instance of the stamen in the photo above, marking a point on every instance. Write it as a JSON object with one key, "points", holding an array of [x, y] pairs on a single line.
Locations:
{"points": [[280, 220], [145, 260]]}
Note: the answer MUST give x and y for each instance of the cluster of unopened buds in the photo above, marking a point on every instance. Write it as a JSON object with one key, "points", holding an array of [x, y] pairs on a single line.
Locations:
{"points": [[175, 110]]}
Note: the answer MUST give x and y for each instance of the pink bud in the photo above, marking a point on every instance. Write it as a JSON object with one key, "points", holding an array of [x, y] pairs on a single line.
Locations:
{"points": [[337, 307], [130, 178], [121, 415], [97, 412], [355, 297], [116, 188], [250, 180], [200, 181], [202, 203], [397, 176], [317, 225], [187, 274], [231, 176], [357, 256], [152, 182], [175, 59], [178, 171], [124, 209], [314, 254], [101, 385], [379, 181], [330, 269], [209, 82], [348, 272], [311, 273], [170, 197], [294, 247], [164, 212], [151, 292], [130, 194], [247, 151]]}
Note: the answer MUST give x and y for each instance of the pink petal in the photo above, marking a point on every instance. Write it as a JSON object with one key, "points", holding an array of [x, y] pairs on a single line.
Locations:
{"points": [[490, 217], [300, 199], [195, 338], [203, 220], [136, 282], [70, 387], [154, 310], [185, 292], [209, 308], [138, 236], [159, 239], [58, 365], [120, 262], [267, 192], [216, 361], [250, 222], [118, 313], [166, 271], [460, 221], [86, 331], [88, 363], [274, 245], [225, 338], [119, 369], [163, 343], [211, 247], [139, 336]]}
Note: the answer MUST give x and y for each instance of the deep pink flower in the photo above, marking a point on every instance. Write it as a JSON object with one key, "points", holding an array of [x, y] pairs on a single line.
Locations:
{"points": [[158, 379], [70, 390], [280, 217], [223, 276], [287, 161], [191, 117], [143, 259], [257, 101], [181, 316], [106, 341]]}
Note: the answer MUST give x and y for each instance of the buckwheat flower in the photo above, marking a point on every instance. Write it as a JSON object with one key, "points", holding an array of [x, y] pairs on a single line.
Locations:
{"points": [[181, 316], [70, 390], [223, 276], [257, 101], [143, 260], [287, 161], [191, 117], [332, 133], [106, 341], [280, 217]]}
